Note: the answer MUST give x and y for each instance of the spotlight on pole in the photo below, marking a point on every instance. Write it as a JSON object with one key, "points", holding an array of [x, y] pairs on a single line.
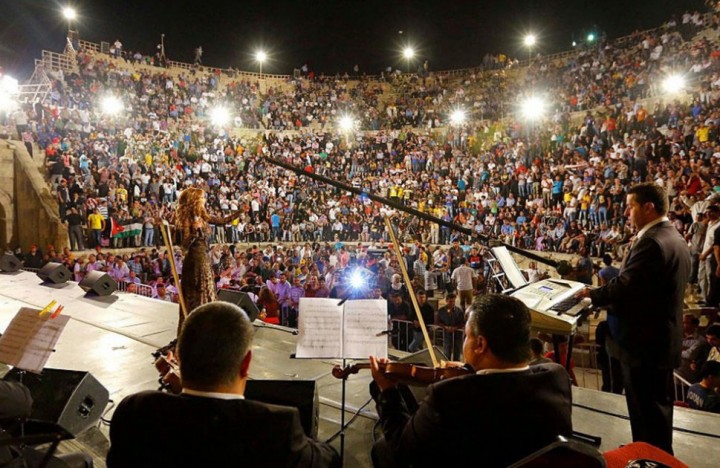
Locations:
{"points": [[530, 40], [220, 116], [673, 84], [346, 123], [591, 37], [533, 108], [9, 85], [458, 117], [111, 105], [69, 13], [261, 58], [408, 53]]}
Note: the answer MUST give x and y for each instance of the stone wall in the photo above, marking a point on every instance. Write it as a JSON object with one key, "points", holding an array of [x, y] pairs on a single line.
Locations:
{"points": [[30, 210]]}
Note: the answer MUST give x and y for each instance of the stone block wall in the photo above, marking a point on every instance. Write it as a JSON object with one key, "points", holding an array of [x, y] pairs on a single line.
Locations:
{"points": [[29, 209]]}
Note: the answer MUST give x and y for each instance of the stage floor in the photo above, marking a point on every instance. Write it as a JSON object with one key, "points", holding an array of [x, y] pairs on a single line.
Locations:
{"points": [[113, 337]]}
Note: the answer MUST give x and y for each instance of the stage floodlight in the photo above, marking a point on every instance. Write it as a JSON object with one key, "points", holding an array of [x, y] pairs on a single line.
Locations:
{"points": [[408, 53], [112, 105], [458, 117], [530, 40], [673, 84], [220, 116], [346, 123], [357, 280], [69, 13], [533, 108]]}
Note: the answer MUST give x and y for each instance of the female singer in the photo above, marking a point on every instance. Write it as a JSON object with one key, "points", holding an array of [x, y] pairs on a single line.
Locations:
{"points": [[192, 221]]}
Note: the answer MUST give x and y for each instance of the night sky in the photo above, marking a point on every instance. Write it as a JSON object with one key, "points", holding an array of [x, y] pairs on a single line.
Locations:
{"points": [[328, 35]]}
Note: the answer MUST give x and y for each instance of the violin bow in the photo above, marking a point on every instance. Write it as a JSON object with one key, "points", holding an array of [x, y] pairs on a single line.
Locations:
{"points": [[411, 290], [167, 238]]}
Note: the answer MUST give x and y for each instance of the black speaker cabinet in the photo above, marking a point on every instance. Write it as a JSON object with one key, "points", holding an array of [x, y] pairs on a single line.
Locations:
{"points": [[241, 300], [54, 273], [74, 400], [300, 394], [9, 263], [98, 282]]}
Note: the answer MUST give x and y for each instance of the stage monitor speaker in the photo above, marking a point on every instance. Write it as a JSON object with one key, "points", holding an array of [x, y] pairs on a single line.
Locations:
{"points": [[9, 263], [74, 400], [98, 282], [54, 273], [240, 299], [300, 394]]}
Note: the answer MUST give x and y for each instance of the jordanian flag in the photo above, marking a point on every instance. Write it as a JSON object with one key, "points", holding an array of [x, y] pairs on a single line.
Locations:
{"points": [[129, 230]]}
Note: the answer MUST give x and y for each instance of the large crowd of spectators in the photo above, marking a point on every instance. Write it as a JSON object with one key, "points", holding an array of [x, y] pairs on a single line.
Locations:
{"points": [[556, 185]]}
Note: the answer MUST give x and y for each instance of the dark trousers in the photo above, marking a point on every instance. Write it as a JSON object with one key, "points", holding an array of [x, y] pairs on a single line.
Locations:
{"points": [[76, 238], [649, 396]]}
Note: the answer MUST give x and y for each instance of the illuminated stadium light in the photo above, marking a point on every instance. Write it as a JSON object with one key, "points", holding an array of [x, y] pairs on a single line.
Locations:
{"points": [[9, 85], [69, 13], [533, 108], [458, 117], [261, 57], [408, 53], [220, 116], [530, 40], [346, 123], [591, 37], [111, 105], [673, 84]]}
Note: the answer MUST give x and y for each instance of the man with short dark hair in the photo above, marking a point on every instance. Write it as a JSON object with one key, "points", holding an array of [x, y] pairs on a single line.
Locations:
{"points": [[497, 415], [210, 423], [428, 316], [703, 395], [645, 317]]}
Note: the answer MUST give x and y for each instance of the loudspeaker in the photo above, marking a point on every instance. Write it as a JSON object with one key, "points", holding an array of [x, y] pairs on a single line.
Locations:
{"points": [[99, 283], [300, 394], [9, 263], [54, 273], [241, 300], [74, 400]]}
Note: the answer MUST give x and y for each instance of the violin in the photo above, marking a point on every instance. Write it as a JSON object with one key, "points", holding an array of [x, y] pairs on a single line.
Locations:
{"points": [[169, 371], [411, 374]]}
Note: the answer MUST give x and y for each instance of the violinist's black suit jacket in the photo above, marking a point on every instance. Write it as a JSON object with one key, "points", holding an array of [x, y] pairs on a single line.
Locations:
{"points": [[477, 420], [156, 429]]}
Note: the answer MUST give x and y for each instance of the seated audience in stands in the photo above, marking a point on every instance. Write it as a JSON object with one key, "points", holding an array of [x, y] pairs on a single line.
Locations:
{"points": [[210, 423], [496, 416]]}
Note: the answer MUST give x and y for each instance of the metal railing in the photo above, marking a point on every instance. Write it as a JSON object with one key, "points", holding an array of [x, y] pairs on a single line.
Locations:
{"points": [[140, 289], [406, 338]]}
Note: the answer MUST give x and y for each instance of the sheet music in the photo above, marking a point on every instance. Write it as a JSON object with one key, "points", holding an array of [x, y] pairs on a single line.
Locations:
{"points": [[319, 328], [30, 339], [364, 320]]}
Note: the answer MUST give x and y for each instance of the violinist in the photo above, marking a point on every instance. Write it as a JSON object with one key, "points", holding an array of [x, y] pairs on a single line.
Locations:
{"points": [[496, 416], [211, 423]]}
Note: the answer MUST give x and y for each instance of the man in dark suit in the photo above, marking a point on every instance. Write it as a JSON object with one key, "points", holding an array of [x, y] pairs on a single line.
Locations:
{"points": [[210, 423], [496, 416], [645, 320]]}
